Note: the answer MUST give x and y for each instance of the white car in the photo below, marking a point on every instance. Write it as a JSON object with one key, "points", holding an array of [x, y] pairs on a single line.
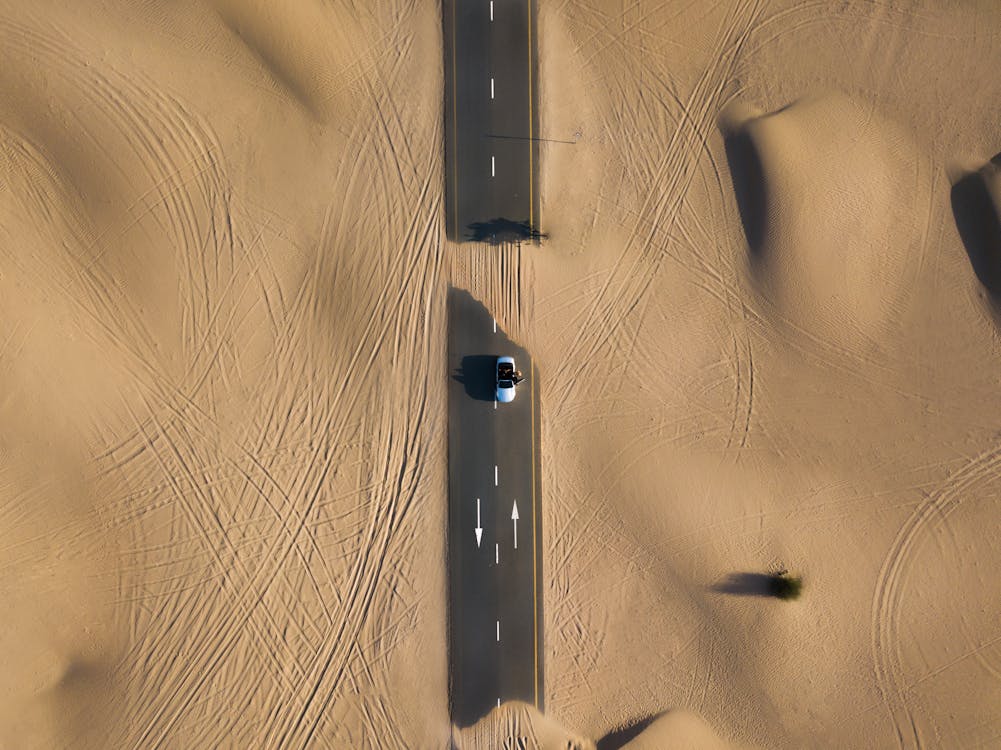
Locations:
{"points": [[505, 380]]}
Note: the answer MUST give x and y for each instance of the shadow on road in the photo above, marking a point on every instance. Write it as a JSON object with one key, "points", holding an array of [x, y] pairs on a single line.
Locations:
{"points": [[498, 231], [477, 374]]}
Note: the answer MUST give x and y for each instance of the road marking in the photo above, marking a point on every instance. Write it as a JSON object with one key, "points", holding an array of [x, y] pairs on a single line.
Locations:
{"points": [[495, 402], [479, 527], [492, 18], [491, 88], [498, 700], [498, 631], [493, 167], [497, 553], [495, 325], [495, 475], [514, 519]]}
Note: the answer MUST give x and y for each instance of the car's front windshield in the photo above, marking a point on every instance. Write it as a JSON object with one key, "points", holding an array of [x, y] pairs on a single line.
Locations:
{"points": [[506, 384]]}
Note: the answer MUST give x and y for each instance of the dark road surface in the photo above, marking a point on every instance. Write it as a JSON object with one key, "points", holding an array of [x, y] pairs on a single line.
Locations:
{"points": [[491, 117], [495, 594]]}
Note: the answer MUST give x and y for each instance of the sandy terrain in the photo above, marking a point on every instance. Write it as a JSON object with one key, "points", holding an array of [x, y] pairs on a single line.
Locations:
{"points": [[222, 413]]}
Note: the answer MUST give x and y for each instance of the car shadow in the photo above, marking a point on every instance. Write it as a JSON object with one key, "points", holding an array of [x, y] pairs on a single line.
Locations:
{"points": [[478, 375]]}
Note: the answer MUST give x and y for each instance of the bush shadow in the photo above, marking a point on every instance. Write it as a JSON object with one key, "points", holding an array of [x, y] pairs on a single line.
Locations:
{"points": [[979, 227], [747, 584]]}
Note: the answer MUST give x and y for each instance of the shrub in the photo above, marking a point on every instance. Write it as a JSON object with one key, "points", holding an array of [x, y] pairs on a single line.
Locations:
{"points": [[785, 586]]}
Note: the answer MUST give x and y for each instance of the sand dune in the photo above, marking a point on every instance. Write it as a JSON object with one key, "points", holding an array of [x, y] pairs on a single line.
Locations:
{"points": [[308, 53], [518, 725], [678, 730], [831, 196], [796, 374], [189, 284]]}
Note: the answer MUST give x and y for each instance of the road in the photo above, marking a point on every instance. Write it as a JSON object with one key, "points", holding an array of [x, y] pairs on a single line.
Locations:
{"points": [[495, 560], [491, 117]]}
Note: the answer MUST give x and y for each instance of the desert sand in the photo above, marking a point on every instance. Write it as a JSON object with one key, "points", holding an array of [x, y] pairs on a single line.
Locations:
{"points": [[775, 232]]}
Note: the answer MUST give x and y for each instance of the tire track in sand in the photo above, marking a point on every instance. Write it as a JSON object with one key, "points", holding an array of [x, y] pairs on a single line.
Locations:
{"points": [[636, 267], [159, 135], [888, 596]]}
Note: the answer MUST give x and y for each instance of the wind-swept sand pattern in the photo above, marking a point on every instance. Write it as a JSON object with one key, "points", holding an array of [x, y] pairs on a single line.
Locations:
{"points": [[753, 252], [765, 320], [255, 462]]}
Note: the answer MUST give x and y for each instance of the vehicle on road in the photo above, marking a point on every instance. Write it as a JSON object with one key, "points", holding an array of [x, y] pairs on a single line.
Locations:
{"points": [[506, 380]]}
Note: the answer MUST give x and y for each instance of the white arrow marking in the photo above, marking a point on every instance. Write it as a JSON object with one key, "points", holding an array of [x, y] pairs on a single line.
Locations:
{"points": [[479, 528], [514, 519]]}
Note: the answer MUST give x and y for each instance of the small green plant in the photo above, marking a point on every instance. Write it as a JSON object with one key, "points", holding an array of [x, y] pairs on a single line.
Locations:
{"points": [[785, 586]]}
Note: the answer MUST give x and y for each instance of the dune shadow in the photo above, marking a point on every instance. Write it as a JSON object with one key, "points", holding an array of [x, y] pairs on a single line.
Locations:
{"points": [[979, 227], [747, 584], [499, 231], [477, 375], [749, 188], [617, 738], [77, 673]]}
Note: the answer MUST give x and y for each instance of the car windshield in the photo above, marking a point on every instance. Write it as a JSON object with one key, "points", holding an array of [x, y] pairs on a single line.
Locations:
{"points": [[506, 384]]}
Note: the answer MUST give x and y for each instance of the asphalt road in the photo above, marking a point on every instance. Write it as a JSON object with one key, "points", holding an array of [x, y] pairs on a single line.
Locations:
{"points": [[491, 117], [495, 593]]}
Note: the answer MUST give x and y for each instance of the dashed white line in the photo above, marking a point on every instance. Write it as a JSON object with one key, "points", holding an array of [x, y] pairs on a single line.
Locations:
{"points": [[495, 475], [495, 403], [493, 167], [495, 325], [498, 700], [498, 631], [491, 10], [491, 88], [497, 553]]}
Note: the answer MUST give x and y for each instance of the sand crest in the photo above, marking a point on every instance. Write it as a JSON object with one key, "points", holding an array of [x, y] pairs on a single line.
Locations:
{"points": [[830, 194]]}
